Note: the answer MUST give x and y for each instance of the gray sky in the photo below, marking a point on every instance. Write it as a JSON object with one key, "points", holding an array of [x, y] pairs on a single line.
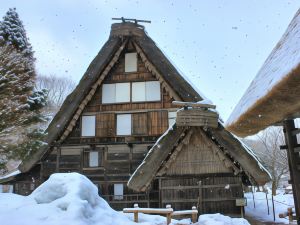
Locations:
{"points": [[219, 44]]}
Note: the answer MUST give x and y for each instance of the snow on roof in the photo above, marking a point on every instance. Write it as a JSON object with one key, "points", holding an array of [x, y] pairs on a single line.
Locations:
{"points": [[284, 58], [11, 174]]}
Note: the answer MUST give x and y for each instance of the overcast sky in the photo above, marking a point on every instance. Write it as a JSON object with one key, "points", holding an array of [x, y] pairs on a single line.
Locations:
{"points": [[219, 44]]}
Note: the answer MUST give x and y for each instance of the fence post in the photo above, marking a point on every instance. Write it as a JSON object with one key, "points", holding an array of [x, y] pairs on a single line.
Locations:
{"points": [[267, 203], [168, 215], [194, 215], [290, 214], [136, 214]]}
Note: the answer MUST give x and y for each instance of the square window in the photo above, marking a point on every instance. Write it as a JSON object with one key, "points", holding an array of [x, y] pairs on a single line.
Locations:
{"points": [[118, 191], [109, 93], [153, 91], [88, 126], [124, 124], [138, 91], [122, 92], [130, 62]]}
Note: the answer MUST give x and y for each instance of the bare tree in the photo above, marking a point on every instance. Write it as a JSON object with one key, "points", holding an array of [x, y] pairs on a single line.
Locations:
{"points": [[267, 148], [58, 89]]}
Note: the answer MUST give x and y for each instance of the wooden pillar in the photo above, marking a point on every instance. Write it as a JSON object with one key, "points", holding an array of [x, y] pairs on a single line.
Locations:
{"points": [[58, 153], [294, 162], [159, 193]]}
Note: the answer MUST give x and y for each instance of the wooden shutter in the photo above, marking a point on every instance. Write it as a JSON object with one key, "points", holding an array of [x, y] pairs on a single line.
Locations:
{"points": [[139, 123], [158, 122], [105, 125]]}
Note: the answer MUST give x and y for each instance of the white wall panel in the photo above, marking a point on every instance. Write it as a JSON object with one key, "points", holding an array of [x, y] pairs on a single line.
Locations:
{"points": [[93, 159], [88, 126], [153, 91], [108, 93], [124, 124], [122, 92], [138, 91], [130, 62]]}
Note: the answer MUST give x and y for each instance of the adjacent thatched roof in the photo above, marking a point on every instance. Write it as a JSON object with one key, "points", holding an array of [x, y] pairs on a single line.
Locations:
{"points": [[120, 33], [274, 93], [165, 147]]}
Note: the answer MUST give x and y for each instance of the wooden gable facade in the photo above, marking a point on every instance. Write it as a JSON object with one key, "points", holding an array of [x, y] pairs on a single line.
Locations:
{"points": [[121, 107]]}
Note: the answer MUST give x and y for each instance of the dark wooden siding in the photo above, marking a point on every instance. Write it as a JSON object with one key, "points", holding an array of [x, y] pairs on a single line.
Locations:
{"points": [[210, 194], [105, 125]]}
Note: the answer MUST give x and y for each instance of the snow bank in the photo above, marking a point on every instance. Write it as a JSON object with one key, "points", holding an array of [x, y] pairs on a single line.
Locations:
{"points": [[281, 202], [66, 198], [72, 199], [219, 219]]}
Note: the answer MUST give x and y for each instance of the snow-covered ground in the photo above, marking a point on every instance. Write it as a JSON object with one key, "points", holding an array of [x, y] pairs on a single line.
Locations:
{"points": [[281, 203], [72, 199]]}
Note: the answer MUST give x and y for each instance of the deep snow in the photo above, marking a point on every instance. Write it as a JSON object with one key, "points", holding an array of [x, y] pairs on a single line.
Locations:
{"points": [[281, 203], [72, 199]]}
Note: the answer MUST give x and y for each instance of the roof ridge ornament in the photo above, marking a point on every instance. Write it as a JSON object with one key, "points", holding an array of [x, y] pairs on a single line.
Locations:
{"points": [[136, 21]]}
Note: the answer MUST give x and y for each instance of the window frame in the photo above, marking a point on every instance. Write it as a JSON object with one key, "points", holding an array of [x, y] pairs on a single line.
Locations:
{"points": [[136, 58], [116, 118], [86, 157], [81, 127]]}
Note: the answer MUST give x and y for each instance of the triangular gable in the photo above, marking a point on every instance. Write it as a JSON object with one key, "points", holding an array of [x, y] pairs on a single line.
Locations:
{"points": [[197, 154], [154, 60], [161, 153]]}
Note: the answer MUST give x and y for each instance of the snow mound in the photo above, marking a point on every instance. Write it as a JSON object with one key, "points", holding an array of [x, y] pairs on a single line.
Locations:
{"points": [[219, 219], [65, 198]]}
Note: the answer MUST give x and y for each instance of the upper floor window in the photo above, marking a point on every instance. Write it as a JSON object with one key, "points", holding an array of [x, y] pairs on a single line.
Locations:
{"points": [[124, 124], [116, 93], [88, 126], [130, 62], [138, 92], [146, 91]]}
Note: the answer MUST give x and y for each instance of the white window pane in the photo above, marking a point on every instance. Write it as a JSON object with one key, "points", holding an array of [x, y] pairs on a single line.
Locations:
{"points": [[118, 191], [124, 124], [93, 159], [109, 93], [88, 125], [123, 92], [152, 91], [131, 62], [138, 91], [172, 118]]}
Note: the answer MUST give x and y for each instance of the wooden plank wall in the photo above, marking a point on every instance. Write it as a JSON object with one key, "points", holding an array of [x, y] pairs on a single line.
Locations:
{"points": [[210, 194], [198, 157]]}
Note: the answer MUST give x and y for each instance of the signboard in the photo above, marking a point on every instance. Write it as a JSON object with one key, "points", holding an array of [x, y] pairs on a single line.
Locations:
{"points": [[241, 202]]}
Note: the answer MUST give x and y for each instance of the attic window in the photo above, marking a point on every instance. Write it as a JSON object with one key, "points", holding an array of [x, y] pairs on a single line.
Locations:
{"points": [[116, 93], [130, 62], [88, 126], [146, 91]]}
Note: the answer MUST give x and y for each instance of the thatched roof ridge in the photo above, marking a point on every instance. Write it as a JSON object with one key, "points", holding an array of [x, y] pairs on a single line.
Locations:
{"points": [[119, 32], [146, 172], [274, 93]]}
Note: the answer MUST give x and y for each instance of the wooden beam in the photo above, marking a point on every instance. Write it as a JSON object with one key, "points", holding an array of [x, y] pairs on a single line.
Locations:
{"points": [[294, 162], [193, 104]]}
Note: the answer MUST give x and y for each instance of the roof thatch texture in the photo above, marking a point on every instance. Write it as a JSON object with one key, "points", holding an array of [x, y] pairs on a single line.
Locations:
{"points": [[274, 93], [165, 147], [120, 33]]}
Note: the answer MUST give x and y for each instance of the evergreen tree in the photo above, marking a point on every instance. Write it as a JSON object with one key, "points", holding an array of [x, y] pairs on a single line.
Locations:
{"points": [[13, 32], [20, 102]]}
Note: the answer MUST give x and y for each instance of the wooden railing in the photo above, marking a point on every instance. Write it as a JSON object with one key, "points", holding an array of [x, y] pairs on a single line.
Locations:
{"points": [[168, 211]]}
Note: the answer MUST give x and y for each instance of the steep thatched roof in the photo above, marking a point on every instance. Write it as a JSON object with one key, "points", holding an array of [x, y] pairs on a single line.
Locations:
{"points": [[120, 33], [274, 93], [164, 148]]}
